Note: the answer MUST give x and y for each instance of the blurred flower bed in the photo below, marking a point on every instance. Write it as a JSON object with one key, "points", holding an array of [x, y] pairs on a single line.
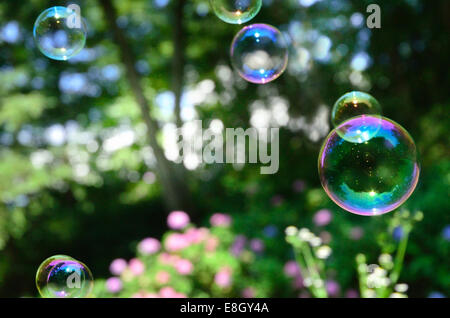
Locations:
{"points": [[214, 261]]}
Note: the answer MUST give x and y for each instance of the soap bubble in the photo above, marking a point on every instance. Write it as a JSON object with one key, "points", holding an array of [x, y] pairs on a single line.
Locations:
{"points": [[62, 276], [371, 177], [355, 104], [259, 53], [58, 34], [236, 11]]}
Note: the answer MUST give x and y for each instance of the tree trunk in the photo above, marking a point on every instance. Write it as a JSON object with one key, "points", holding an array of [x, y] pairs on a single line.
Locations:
{"points": [[175, 191], [178, 58]]}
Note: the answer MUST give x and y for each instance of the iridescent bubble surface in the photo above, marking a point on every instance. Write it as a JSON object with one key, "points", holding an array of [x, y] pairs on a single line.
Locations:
{"points": [[62, 276], [57, 36], [236, 11], [371, 177], [259, 52], [354, 104]]}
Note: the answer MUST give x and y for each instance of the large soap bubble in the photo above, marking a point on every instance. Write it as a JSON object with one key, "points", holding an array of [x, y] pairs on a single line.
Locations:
{"points": [[373, 176]]}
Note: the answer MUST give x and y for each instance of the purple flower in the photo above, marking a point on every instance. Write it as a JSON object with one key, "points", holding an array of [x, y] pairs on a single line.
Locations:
{"points": [[299, 186], [322, 217], [333, 288], [351, 293], [136, 266], [149, 246], [291, 269], [220, 219], [118, 266], [257, 245], [297, 283], [446, 233], [238, 245], [398, 233], [248, 293], [114, 285], [178, 220]]}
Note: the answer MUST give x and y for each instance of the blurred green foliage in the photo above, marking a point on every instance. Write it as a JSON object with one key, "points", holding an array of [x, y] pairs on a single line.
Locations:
{"points": [[68, 187]]}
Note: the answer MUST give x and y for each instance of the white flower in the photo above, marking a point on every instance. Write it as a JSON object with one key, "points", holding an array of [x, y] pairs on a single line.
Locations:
{"points": [[315, 241], [305, 235], [291, 231], [323, 252], [401, 288]]}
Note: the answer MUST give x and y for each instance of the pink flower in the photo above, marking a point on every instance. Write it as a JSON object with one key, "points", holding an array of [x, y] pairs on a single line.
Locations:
{"points": [[136, 266], [211, 244], [194, 235], [257, 245], [114, 285], [356, 233], [322, 217], [333, 288], [143, 294], [118, 266], [248, 293], [351, 293], [220, 219], [162, 277], [149, 246], [168, 259], [176, 242], [184, 266], [223, 277], [291, 269], [178, 220], [169, 292]]}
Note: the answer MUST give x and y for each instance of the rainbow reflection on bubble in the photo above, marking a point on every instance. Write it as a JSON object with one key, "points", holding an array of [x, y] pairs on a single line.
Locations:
{"points": [[55, 37], [371, 177], [236, 11], [259, 53], [62, 276]]}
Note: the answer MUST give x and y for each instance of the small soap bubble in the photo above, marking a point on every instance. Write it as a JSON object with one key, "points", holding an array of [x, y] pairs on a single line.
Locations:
{"points": [[354, 104], [259, 52], [62, 276], [371, 177], [236, 11], [60, 33]]}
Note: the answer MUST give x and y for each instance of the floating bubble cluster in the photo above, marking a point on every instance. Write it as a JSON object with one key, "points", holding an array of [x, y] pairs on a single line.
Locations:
{"points": [[259, 53], [62, 276], [236, 11], [58, 34], [372, 176], [354, 104]]}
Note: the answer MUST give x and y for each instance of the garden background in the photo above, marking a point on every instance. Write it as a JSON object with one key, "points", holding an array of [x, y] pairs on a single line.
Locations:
{"points": [[84, 167]]}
